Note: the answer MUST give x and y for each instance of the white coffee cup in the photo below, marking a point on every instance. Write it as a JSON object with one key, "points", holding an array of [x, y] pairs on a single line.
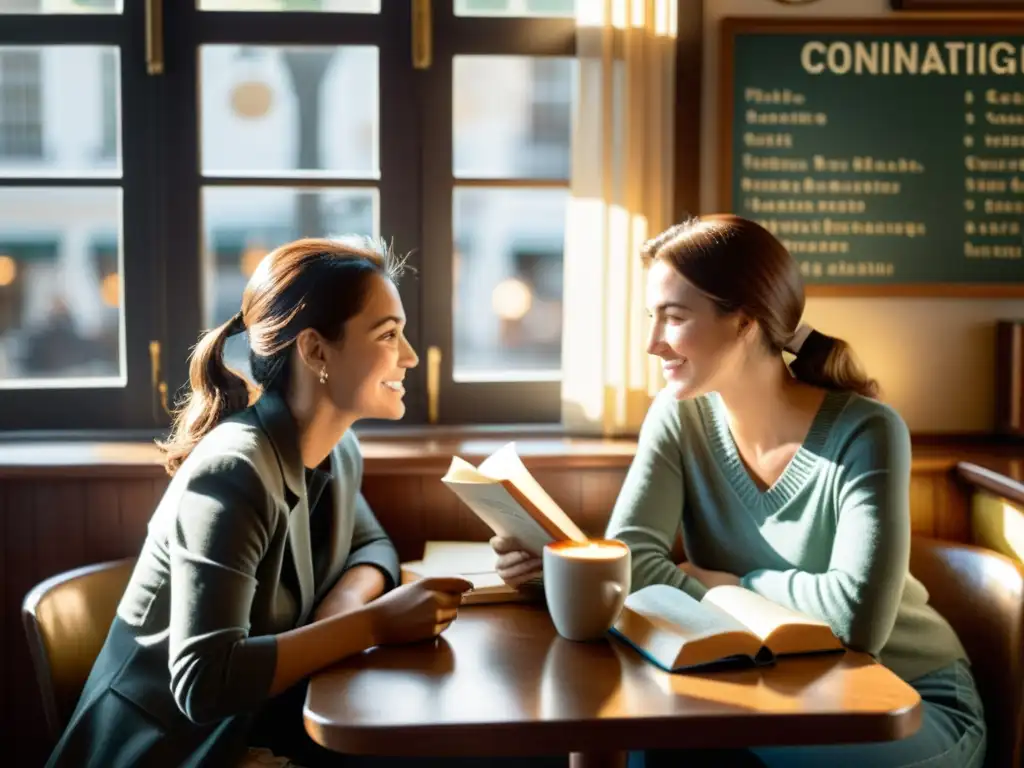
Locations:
{"points": [[585, 584]]}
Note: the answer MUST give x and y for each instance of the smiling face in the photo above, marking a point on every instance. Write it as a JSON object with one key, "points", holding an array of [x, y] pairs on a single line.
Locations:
{"points": [[699, 345], [366, 367]]}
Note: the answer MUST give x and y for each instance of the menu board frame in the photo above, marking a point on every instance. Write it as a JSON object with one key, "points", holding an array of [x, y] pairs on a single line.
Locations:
{"points": [[957, 5], [887, 25]]}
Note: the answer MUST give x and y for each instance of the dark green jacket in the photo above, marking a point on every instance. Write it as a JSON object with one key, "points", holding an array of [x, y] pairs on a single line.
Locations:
{"points": [[228, 563]]}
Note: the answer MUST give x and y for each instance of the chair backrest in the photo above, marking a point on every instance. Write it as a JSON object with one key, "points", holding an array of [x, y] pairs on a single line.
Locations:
{"points": [[981, 594], [67, 618]]}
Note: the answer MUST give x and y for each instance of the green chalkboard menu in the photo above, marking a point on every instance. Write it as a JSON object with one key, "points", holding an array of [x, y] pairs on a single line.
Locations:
{"points": [[888, 155]]}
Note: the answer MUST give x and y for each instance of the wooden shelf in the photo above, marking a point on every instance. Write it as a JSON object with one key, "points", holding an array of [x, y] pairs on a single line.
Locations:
{"points": [[419, 455], [426, 452]]}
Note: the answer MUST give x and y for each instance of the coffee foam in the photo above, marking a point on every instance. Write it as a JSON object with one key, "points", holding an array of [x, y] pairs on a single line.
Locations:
{"points": [[597, 549]]}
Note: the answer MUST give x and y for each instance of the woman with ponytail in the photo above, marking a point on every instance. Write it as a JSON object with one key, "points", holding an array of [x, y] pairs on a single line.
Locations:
{"points": [[788, 480], [263, 562]]}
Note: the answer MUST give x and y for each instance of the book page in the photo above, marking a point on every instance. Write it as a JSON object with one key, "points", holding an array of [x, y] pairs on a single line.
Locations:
{"points": [[461, 556], [461, 471], [505, 464], [488, 588], [676, 631], [421, 570], [782, 629], [502, 513]]}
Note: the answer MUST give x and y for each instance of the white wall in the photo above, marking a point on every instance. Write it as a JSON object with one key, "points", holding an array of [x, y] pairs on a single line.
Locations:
{"points": [[934, 358]]}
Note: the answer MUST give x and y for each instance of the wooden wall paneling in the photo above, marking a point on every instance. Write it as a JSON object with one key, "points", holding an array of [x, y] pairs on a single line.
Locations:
{"points": [[398, 508], [417, 508], [938, 503], [57, 545], [598, 491], [103, 526], [952, 509], [58, 527], [922, 504], [24, 724], [8, 621], [442, 513], [137, 501]]}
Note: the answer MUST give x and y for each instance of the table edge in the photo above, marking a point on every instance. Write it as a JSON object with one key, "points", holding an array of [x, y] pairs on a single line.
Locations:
{"points": [[558, 737]]}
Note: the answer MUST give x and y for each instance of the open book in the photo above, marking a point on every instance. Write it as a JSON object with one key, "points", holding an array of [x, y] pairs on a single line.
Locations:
{"points": [[503, 493], [729, 625], [474, 561]]}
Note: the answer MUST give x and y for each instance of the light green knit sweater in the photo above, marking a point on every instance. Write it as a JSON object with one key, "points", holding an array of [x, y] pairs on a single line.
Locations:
{"points": [[830, 538]]}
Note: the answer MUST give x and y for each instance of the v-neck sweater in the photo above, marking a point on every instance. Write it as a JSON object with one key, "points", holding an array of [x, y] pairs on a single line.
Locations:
{"points": [[830, 538]]}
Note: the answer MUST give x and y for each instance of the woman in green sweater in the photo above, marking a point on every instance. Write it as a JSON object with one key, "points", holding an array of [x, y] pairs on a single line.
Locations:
{"points": [[791, 481]]}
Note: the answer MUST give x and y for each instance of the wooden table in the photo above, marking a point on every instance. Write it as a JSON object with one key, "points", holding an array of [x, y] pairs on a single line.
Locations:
{"points": [[500, 681]]}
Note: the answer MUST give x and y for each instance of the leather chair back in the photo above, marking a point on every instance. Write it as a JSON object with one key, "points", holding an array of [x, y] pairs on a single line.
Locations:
{"points": [[67, 618], [981, 594]]}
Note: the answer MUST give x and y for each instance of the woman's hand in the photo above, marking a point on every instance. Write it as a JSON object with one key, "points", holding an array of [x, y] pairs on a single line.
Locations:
{"points": [[709, 578], [516, 566], [416, 611]]}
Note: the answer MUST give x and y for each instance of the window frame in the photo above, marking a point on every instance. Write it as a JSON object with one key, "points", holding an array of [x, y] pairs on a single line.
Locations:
{"points": [[132, 407], [162, 181], [490, 402], [187, 30]]}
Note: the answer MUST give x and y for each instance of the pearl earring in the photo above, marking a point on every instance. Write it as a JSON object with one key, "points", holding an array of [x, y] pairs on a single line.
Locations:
{"points": [[323, 375]]}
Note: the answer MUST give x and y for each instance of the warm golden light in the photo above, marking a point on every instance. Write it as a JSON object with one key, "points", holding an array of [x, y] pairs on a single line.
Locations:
{"points": [[584, 295], [511, 299], [638, 15], [626, 50], [590, 13], [8, 270], [110, 290], [251, 258], [997, 524], [636, 360], [589, 550], [1013, 529], [666, 21], [620, 12]]}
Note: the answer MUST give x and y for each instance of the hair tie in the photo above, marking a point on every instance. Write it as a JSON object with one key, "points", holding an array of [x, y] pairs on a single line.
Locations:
{"points": [[800, 335], [809, 344], [236, 324]]}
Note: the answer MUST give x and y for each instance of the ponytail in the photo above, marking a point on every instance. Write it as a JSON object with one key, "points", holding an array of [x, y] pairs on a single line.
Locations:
{"points": [[216, 392], [828, 362]]}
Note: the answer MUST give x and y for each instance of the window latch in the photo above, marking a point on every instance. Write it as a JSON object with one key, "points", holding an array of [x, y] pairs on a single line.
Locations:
{"points": [[433, 383], [422, 35], [159, 385], [155, 37]]}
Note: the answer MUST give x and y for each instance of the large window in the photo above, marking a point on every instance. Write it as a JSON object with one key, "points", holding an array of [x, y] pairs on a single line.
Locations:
{"points": [[495, 191], [76, 277], [136, 201]]}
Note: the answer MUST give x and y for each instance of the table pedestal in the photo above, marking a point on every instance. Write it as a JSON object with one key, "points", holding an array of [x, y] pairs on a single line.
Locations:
{"points": [[598, 759]]}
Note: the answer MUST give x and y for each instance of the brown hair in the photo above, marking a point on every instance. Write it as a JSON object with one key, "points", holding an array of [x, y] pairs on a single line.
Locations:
{"points": [[741, 266], [309, 283]]}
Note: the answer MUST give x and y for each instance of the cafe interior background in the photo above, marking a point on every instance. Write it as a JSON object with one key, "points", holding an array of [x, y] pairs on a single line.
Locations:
{"points": [[151, 154]]}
